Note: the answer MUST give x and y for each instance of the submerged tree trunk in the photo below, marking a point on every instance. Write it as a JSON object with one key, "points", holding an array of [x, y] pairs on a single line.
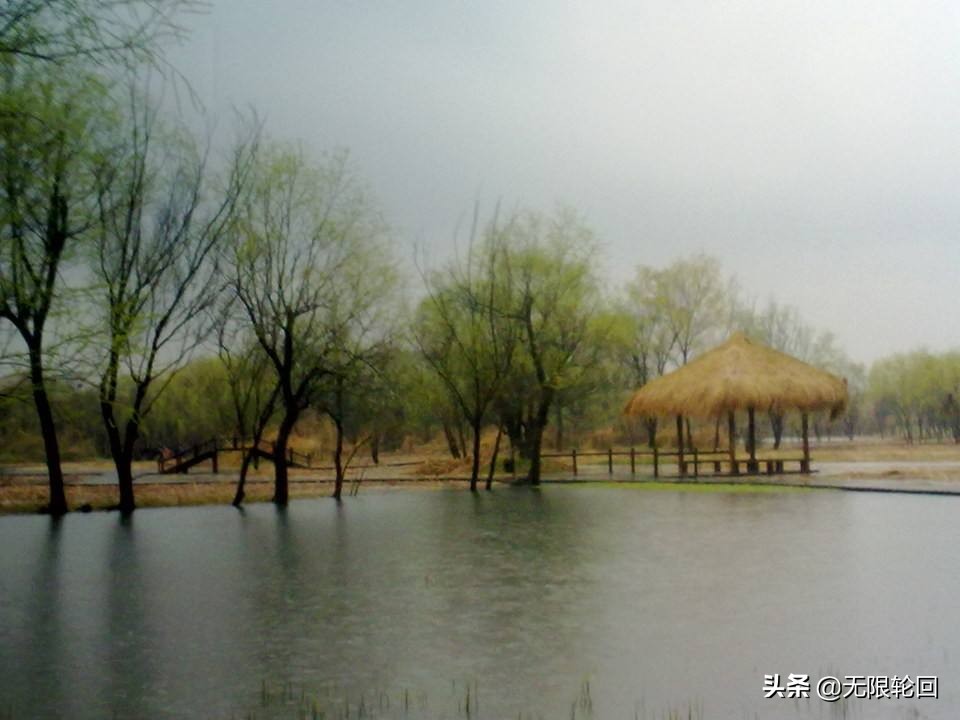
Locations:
{"points": [[125, 485], [338, 460], [476, 427], [493, 460], [240, 494], [48, 429], [535, 430], [281, 494], [536, 441], [122, 444], [252, 454]]}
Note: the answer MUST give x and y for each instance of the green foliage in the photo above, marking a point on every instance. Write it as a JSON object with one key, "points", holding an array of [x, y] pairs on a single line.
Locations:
{"points": [[916, 394], [55, 31], [76, 414], [194, 407], [563, 327]]}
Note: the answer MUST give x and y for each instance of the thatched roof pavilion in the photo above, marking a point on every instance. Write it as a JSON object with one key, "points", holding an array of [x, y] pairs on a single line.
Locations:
{"points": [[741, 374]]}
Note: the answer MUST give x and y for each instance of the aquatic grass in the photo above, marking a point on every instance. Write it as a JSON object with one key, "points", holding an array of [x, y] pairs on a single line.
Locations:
{"points": [[330, 701]]}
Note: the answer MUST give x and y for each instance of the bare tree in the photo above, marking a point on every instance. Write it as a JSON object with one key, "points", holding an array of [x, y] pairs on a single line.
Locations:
{"points": [[360, 353], [555, 302], [49, 129], [101, 30], [161, 219], [653, 338], [304, 235], [693, 296], [465, 333], [253, 388]]}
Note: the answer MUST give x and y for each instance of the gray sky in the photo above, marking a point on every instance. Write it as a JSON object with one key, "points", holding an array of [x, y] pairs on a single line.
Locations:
{"points": [[813, 146]]}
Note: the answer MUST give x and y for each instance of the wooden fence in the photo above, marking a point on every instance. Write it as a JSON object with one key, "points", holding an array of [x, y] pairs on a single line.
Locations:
{"points": [[688, 462]]}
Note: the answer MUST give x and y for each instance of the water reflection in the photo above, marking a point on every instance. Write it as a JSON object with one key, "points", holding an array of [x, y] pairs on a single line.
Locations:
{"points": [[652, 600], [43, 620]]}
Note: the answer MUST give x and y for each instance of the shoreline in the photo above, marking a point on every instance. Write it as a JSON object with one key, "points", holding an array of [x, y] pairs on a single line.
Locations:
{"points": [[26, 492]]}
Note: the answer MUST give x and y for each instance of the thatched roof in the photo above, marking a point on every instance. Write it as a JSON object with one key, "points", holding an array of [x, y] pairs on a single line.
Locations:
{"points": [[738, 375]]}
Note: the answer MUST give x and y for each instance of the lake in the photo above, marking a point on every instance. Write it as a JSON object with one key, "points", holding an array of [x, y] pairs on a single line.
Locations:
{"points": [[563, 602]]}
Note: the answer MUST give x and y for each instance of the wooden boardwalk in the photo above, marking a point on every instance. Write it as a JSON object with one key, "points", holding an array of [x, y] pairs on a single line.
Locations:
{"points": [[693, 463], [210, 450]]}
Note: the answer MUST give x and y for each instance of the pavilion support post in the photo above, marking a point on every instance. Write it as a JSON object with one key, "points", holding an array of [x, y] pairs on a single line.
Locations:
{"points": [[732, 441], [681, 466], [805, 465], [752, 439]]}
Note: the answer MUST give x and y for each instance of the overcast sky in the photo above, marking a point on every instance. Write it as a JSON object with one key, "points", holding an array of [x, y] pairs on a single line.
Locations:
{"points": [[813, 146]]}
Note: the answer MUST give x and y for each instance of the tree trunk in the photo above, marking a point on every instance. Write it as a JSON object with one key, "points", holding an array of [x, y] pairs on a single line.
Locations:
{"points": [[493, 460], [115, 444], [651, 424], [241, 483], [451, 440], [536, 440], [461, 440], [125, 485], [57, 504], [281, 493], [776, 427], [535, 430], [752, 438], [338, 460], [375, 448], [558, 443], [681, 466], [732, 441], [252, 455], [475, 460], [716, 435], [806, 443]]}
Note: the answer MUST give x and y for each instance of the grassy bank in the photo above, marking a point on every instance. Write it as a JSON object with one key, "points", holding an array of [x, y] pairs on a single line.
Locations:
{"points": [[31, 498], [866, 462]]}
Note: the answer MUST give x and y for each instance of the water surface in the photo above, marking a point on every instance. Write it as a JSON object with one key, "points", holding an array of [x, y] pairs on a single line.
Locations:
{"points": [[645, 600]]}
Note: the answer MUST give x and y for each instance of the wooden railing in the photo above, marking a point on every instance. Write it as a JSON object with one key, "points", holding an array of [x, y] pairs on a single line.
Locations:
{"points": [[687, 460]]}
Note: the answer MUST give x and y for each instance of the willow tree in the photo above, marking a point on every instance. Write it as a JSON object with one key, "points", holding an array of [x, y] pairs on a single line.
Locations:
{"points": [[356, 388], [466, 333], [555, 301], [51, 133], [651, 335], [361, 326], [782, 328], [101, 30], [163, 212], [252, 387], [305, 234]]}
